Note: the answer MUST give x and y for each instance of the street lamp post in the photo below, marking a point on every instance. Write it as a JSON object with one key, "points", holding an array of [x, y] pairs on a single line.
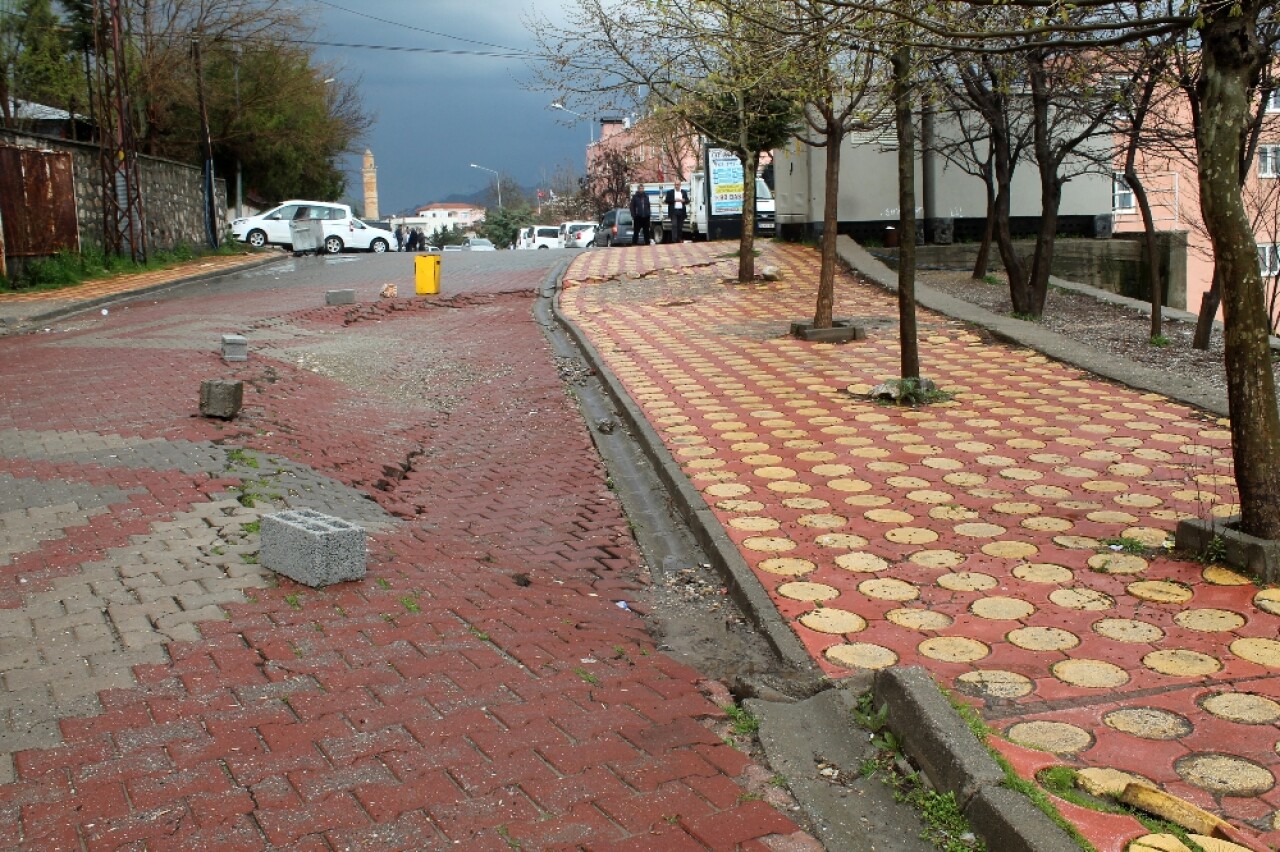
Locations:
{"points": [[591, 129], [497, 178]]}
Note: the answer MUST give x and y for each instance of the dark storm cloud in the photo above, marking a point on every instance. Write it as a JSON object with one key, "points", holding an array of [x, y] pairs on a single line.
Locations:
{"points": [[436, 113]]}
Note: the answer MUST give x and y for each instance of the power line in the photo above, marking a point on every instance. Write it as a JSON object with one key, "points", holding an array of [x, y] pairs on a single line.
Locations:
{"points": [[405, 26]]}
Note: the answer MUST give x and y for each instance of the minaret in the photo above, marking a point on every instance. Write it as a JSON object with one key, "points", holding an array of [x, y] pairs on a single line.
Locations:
{"points": [[370, 172]]}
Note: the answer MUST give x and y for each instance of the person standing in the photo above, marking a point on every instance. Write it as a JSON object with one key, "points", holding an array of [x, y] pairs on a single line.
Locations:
{"points": [[640, 217], [677, 201]]}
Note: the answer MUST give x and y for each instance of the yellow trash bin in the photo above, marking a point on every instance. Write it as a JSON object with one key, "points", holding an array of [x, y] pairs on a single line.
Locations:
{"points": [[426, 274]]}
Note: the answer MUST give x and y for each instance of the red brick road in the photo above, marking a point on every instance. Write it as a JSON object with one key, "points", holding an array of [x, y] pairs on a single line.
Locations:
{"points": [[438, 703]]}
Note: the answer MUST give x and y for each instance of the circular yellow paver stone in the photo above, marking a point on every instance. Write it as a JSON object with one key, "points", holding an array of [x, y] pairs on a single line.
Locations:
{"points": [[848, 485], [1017, 507], [775, 473], [1179, 662], [1106, 516], [1001, 608], [929, 497], [967, 581], [1268, 600], [889, 589], [996, 684], [1048, 492], [861, 563], [979, 530], [1128, 630], [1010, 549], [1243, 707], [827, 522], [808, 591], [1220, 575], [861, 655], [727, 489], [1043, 638], [919, 619], [1082, 599], [1224, 774], [953, 649], [888, 516], [832, 469], [807, 504], [847, 541], [937, 559], [787, 566], [1076, 542], [1117, 563], [1159, 591], [1056, 737], [1094, 674], [952, 513], [1137, 501], [769, 544], [1043, 572], [832, 620], [754, 524], [1209, 620], [1264, 652], [740, 505], [1046, 523], [911, 535], [867, 500], [1150, 536], [1102, 782], [1149, 723]]}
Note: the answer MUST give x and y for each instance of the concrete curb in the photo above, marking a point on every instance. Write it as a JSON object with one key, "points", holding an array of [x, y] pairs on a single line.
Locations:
{"points": [[18, 324], [742, 583], [940, 743], [1031, 335]]}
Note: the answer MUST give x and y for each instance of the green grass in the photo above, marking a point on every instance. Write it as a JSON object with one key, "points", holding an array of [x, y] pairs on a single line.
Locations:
{"points": [[1159, 340], [745, 724], [1125, 545]]}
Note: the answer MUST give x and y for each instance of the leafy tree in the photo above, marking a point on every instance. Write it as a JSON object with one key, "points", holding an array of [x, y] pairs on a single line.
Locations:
{"points": [[500, 226], [37, 61]]}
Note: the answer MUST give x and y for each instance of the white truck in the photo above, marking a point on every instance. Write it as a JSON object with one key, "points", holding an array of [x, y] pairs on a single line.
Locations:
{"points": [[695, 224]]}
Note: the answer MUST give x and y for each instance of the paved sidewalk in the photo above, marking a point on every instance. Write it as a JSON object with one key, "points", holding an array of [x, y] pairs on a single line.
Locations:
{"points": [[1014, 541], [480, 689], [19, 310]]}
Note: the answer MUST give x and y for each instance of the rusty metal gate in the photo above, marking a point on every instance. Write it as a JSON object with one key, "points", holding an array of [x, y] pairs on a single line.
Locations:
{"points": [[37, 202]]}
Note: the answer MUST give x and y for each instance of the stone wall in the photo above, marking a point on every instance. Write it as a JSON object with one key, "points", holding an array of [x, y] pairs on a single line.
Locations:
{"points": [[1117, 265], [172, 201]]}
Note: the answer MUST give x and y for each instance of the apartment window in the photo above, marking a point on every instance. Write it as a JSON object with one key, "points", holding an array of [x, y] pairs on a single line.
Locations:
{"points": [[1269, 258], [1121, 194], [1268, 161], [1273, 100]]}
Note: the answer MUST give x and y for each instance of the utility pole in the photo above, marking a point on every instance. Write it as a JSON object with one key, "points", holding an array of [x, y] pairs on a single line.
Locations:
{"points": [[123, 221], [206, 144]]}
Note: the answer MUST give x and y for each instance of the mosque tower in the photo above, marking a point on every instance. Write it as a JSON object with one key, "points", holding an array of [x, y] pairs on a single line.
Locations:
{"points": [[370, 173]]}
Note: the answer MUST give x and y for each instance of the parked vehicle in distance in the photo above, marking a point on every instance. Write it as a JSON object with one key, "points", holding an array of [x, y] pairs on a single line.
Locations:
{"points": [[477, 244], [583, 237], [339, 229], [453, 248], [544, 237], [614, 228], [567, 230], [358, 235], [524, 238]]}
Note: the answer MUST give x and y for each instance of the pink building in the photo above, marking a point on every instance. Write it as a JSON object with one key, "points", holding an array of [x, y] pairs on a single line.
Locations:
{"points": [[1168, 172]]}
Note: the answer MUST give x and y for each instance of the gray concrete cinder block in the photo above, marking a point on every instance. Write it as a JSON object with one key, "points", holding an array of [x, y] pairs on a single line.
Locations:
{"points": [[235, 347], [312, 548], [340, 297], [934, 735], [221, 398]]}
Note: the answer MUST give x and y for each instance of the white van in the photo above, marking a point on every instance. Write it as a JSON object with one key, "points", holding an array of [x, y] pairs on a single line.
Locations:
{"points": [[568, 229], [545, 237]]}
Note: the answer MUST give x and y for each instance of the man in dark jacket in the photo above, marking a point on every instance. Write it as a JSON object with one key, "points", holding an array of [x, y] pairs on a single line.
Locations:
{"points": [[640, 216], [677, 201]]}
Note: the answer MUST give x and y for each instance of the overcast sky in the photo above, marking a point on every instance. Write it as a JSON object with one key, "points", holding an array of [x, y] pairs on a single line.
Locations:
{"points": [[436, 113]]}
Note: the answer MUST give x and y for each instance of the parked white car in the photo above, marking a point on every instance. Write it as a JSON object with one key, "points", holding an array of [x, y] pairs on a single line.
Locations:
{"points": [[583, 237], [568, 229], [338, 228], [477, 244]]}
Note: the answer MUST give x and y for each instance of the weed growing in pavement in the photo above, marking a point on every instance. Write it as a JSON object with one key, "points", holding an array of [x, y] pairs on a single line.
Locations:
{"points": [[586, 676], [218, 550], [239, 456], [410, 604], [294, 601], [505, 834], [383, 583], [478, 633], [1124, 544], [911, 391], [1159, 340], [251, 528], [1024, 316], [745, 724], [249, 558], [991, 279], [778, 781], [1215, 551]]}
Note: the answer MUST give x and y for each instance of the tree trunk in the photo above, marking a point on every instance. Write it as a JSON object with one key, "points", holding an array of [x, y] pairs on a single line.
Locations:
{"points": [[983, 261], [1209, 303], [1154, 281], [906, 215], [822, 314], [747, 243], [1037, 287], [1232, 60]]}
